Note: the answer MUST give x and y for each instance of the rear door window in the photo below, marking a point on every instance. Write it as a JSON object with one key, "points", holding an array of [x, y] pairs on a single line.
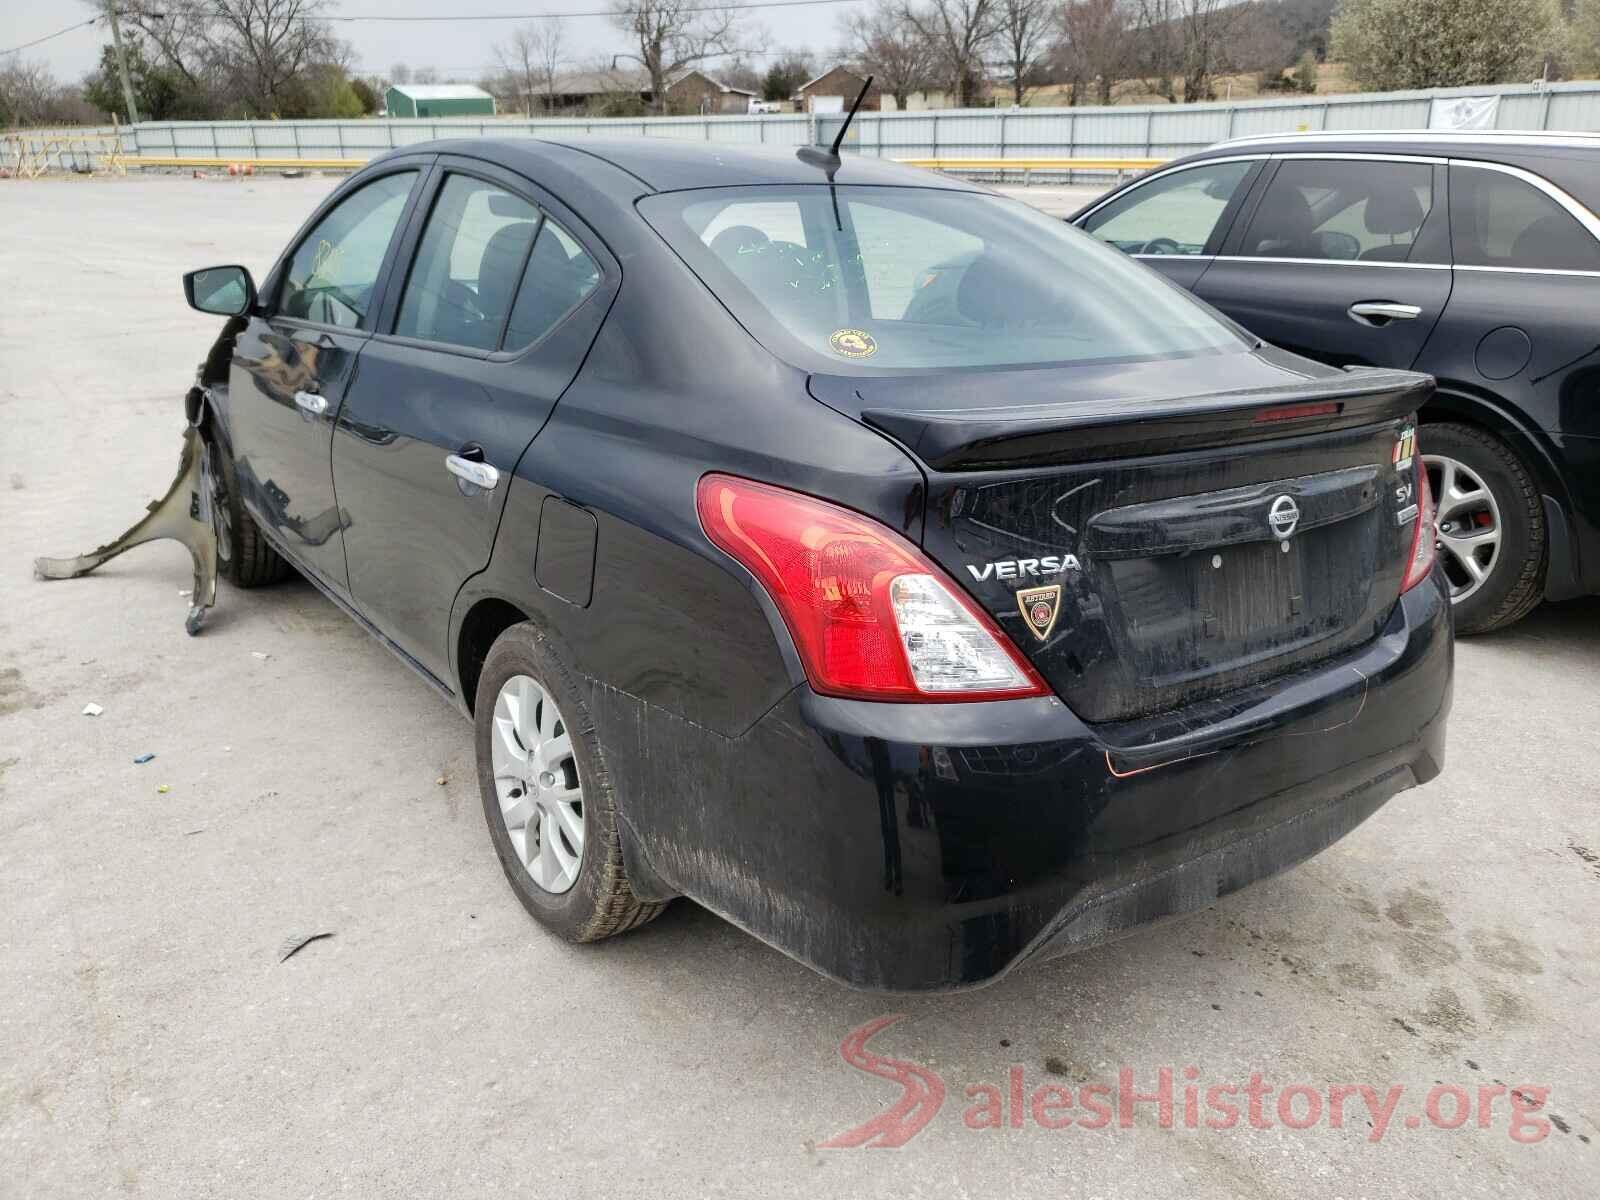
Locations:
{"points": [[1498, 220], [560, 275], [1175, 214], [1342, 210], [468, 265]]}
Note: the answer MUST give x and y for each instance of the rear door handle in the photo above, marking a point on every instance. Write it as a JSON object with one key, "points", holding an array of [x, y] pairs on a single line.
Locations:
{"points": [[479, 473], [311, 404], [1379, 313]]}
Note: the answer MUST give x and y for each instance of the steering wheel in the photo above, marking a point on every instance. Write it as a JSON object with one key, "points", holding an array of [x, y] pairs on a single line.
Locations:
{"points": [[1161, 245]]}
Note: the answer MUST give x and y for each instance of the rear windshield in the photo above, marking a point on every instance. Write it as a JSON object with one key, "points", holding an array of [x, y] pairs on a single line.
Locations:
{"points": [[872, 278]]}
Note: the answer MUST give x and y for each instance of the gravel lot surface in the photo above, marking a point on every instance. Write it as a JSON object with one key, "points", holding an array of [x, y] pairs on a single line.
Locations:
{"points": [[152, 1043]]}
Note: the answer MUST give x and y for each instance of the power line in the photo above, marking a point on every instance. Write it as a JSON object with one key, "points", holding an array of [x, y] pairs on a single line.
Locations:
{"points": [[339, 18], [47, 37]]}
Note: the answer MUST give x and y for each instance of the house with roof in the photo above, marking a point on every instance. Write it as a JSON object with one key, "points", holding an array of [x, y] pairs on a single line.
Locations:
{"points": [[834, 91], [437, 100], [696, 92]]}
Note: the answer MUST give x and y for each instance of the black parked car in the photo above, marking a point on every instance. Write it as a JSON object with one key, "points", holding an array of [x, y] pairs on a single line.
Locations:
{"points": [[918, 618], [1472, 257]]}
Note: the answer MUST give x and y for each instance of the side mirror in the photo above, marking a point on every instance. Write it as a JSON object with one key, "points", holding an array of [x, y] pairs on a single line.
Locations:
{"points": [[223, 291]]}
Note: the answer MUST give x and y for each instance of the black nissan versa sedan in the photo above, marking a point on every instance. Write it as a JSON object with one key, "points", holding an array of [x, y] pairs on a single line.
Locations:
{"points": [[1472, 256], [908, 577]]}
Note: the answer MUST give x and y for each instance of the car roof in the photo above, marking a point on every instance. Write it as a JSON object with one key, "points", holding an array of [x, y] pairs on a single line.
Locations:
{"points": [[669, 164]]}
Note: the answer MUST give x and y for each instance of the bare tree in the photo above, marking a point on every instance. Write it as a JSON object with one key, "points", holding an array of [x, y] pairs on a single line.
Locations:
{"points": [[400, 74], [533, 57], [1157, 38], [669, 37], [1096, 46], [1207, 27], [960, 31], [887, 45], [1025, 36]]}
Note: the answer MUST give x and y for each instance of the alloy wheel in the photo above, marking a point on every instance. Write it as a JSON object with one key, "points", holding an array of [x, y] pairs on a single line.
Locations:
{"points": [[536, 781], [1469, 529]]}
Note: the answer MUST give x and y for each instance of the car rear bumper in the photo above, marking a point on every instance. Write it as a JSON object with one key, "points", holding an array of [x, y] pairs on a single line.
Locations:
{"points": [[934, 847]]}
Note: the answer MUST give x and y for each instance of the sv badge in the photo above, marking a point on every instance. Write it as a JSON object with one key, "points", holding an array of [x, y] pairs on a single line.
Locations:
{"points": [[1040, 607]]}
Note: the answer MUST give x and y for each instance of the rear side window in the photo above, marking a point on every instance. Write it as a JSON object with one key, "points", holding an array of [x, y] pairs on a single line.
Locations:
{"points": [[1341, 210], [860, 279], [333, 272], [1175, 214], [559, 275], [1498, 220], [468, 265]]}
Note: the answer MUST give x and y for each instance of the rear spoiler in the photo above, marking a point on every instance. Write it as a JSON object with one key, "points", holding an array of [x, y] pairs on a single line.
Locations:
{"points": [[1069, 431]]}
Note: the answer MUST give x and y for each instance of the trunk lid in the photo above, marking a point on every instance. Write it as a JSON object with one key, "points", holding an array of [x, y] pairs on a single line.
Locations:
{"points": [[1154, 533]]}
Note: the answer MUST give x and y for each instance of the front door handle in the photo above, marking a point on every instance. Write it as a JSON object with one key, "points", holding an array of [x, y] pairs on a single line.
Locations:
{"points": [[1379, 313], [311, 404], [480, 474]]}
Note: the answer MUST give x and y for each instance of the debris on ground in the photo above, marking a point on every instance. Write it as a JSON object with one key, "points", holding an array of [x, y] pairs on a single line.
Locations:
{"points": [[441, 781], [294, 944], [143, 758], [92, 709], [162, 789], [261, 654]]}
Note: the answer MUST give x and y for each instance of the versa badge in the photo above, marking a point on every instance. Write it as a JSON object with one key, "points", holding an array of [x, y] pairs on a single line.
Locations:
{"points": [[1039, 608]]}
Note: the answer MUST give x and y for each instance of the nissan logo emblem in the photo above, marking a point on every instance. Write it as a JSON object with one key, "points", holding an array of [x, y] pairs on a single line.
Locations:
{"points": [[1283, 517]]}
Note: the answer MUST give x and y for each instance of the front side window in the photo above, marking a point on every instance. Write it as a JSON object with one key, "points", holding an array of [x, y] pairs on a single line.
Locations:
{"points": [[1175, 214], [331, 277], [1342, 210], [468, 264], [860, 279], [1498, 220]]}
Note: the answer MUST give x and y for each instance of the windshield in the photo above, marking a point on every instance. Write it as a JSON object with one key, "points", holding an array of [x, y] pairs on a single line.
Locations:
{"points": [[873, 278]]}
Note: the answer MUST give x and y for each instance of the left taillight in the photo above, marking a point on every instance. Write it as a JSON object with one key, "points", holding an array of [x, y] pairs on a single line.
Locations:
{"points": [[1423, 549], [871, 616]]}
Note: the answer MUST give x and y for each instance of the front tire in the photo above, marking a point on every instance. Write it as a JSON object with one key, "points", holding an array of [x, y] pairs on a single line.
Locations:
{"points": [[1491, 526], [547, 795], [244, 557]]}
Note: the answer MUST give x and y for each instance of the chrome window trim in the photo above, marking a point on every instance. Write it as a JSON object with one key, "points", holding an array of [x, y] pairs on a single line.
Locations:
{"points": [[1572, 206], [1336, 262], [1358, 156], [1119, 193], [1176, 257], [1532, 271], [1484, 137]]}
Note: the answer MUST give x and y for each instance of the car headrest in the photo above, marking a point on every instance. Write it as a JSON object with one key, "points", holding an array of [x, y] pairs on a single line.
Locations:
{"points": [[1283, 227], [1546, 243], [1393, 209], [501, 267]]}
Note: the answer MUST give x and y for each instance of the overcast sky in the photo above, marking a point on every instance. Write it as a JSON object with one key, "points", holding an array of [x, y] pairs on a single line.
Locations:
{"points": [[455, 47]]}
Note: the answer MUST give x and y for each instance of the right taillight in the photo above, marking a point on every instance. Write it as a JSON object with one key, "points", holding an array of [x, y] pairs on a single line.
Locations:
{"points": [[1420, 561], [871, 616]]}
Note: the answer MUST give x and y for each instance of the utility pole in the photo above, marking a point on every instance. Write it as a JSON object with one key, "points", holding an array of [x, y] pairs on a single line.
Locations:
{"points": [[122, 62]]}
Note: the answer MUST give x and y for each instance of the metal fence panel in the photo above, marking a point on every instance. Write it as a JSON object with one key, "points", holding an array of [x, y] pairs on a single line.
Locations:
{"points": [[1132, 131]]}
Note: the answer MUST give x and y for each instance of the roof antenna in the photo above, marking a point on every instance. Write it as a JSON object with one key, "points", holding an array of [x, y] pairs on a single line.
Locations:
{"points": [[829, 159]]}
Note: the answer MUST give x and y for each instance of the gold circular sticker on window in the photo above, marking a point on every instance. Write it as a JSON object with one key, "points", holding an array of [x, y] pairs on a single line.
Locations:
{"points": [[853, 343]]}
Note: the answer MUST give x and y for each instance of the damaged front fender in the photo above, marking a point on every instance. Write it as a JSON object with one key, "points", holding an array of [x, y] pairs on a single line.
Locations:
{"points": [[183, 514]]}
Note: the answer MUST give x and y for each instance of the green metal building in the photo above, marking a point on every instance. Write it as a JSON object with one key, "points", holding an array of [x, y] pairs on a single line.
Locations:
{"points": [[438, 100]]}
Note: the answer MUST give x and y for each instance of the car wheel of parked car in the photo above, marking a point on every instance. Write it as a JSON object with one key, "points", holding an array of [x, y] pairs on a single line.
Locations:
{"points": [[1491, 529], [244, 557], [547, 795]]}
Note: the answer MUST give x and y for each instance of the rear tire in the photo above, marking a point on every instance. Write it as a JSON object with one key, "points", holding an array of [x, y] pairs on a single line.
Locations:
{"points": [[244, 557], [1491, 491], [538, 759]]}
